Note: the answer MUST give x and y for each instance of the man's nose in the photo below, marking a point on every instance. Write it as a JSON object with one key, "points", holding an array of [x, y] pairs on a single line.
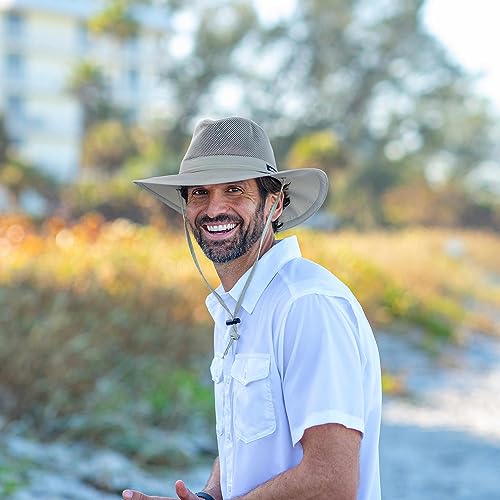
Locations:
{"points": [[217, 204]]}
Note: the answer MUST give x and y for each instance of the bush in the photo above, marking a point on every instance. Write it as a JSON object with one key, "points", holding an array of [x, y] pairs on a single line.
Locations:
{"points": [[114, 195], [99, 319]]}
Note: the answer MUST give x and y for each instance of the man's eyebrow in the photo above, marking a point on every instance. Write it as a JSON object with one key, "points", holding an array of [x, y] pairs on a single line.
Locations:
{"points": [[243, 182]]}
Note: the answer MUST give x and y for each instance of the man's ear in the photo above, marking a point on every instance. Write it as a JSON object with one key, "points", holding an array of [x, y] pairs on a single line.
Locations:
{"points": [[279, 207]]}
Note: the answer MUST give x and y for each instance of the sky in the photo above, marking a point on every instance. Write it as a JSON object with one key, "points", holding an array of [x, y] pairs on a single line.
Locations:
{"points": [[469, 30]]}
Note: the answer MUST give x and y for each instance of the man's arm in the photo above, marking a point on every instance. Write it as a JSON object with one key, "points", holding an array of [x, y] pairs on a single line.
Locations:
{"points": [[183, 493], [329, 468], [213, 484]]}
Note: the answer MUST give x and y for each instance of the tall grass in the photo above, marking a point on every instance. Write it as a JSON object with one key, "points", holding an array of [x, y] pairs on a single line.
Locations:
{"points": [[439, 279]]}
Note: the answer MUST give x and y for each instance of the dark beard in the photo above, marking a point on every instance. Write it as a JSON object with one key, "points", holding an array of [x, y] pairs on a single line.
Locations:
{"points": [[221, 252]]}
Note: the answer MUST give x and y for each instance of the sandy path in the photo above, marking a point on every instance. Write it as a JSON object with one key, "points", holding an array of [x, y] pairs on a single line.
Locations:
{"points": [[444, 441]]}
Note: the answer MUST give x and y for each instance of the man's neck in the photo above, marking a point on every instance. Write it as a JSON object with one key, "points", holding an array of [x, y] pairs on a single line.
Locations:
{"points": [[230, 272]]}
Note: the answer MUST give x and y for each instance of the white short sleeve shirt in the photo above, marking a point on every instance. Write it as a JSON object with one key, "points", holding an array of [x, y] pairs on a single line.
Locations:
{"points": [[306, 356]]}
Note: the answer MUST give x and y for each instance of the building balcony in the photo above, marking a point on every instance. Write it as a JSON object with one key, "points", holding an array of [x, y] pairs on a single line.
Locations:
{"points": [[34, 86], [52, 47], [31, 125], [149, 17], [102, 51]]}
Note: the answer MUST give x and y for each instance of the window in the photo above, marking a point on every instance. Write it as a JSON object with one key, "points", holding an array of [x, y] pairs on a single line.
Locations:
{"points": [[83, 35], [14, 23], [130, 115], [133, 79], [14, 65], [15, 107], [132, 44]]}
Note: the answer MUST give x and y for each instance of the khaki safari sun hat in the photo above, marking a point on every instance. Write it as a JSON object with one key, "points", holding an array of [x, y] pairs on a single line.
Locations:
{"points": [[235, 149]]}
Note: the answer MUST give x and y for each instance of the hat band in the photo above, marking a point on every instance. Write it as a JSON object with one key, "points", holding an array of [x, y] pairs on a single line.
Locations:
{"points": [[207, 163]]}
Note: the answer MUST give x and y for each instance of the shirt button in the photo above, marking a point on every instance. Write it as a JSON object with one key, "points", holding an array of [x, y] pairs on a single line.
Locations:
{"points": [[227, 381]]}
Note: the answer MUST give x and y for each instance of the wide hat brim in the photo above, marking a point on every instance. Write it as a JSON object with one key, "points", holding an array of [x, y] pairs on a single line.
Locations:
{"points": [[307, 188]]}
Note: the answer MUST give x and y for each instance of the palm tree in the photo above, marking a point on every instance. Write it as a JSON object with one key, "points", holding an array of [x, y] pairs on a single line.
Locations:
{"points": [[17, 175], [88, 85], [115, 20]]}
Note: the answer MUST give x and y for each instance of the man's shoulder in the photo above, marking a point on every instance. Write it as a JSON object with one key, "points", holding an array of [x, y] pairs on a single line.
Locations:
{"points": [[301, 276]]}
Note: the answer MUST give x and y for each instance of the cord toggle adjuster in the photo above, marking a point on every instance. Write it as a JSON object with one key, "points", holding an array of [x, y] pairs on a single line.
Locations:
{"points": [[233, 321]]}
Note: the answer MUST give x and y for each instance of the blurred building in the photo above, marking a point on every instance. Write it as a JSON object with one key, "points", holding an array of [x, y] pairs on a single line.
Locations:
{"points": [[41, 42]]}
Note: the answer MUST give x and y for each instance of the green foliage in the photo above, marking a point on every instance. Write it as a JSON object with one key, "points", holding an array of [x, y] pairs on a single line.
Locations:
{"points": [[223, 26], [87, 81], [12, 476], [438, 318], [4, 140], [116, 20], [171, 392], [319, 149], [222, 29], [17, 176], [392, 384], [417, 203], [88, 84], [110, 190], [99, 342], [108, 145]]}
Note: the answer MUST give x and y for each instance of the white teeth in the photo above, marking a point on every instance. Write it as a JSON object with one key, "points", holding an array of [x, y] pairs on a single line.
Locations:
{"points": [[221, 227]]}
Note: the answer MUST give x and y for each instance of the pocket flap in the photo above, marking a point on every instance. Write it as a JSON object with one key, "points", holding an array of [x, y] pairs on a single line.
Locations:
{"points": [[216, 369], [250, 367]]}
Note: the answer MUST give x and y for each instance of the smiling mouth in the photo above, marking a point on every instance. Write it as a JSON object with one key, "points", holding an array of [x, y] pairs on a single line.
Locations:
{"points": [[219, 228]]}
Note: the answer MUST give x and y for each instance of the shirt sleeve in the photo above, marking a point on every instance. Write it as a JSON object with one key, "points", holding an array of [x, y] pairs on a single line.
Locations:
{"points": [[322, 365]]}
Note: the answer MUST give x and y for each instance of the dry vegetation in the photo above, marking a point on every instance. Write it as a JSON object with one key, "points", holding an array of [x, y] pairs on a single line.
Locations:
{"points": [[448, 274], [102, 324]]}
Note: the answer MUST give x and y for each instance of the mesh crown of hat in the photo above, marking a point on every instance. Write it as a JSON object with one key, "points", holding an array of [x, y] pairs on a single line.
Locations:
{"points": [[233, 136]]}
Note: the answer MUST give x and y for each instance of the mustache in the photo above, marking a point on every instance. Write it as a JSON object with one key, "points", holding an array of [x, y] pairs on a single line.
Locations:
{"points": [[218, 219]]}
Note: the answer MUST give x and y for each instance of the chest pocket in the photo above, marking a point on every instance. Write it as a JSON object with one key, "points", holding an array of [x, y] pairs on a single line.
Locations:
{"points": [[254, 416], [216, 370]]}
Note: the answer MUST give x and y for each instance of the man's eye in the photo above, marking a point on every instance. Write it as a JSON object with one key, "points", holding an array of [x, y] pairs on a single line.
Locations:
{"points": [[198, 192], [234, 189]]}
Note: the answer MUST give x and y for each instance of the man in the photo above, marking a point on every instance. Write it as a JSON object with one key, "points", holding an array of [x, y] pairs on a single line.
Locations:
{"points": [[296, 367]]}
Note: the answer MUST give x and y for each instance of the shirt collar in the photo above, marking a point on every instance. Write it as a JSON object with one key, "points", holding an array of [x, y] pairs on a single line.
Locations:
{"points": [[268, 266]]}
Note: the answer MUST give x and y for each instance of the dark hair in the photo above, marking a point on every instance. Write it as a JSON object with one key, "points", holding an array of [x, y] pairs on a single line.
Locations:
{"points": [[270, 185], [184, 192], [267, 185]]}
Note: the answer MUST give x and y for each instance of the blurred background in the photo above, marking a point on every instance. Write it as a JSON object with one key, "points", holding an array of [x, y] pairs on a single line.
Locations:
{"points": [[104, 338]]}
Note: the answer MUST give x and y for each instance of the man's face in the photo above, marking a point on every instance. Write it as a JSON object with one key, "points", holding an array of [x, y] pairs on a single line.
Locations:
{"points": [[226, 219]]}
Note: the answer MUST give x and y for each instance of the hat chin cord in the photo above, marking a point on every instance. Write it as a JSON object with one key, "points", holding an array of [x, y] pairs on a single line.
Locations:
{"points": [[234, 321]]}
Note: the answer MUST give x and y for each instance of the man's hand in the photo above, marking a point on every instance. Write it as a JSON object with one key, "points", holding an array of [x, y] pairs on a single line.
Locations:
{"points": [[183, 493]]}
